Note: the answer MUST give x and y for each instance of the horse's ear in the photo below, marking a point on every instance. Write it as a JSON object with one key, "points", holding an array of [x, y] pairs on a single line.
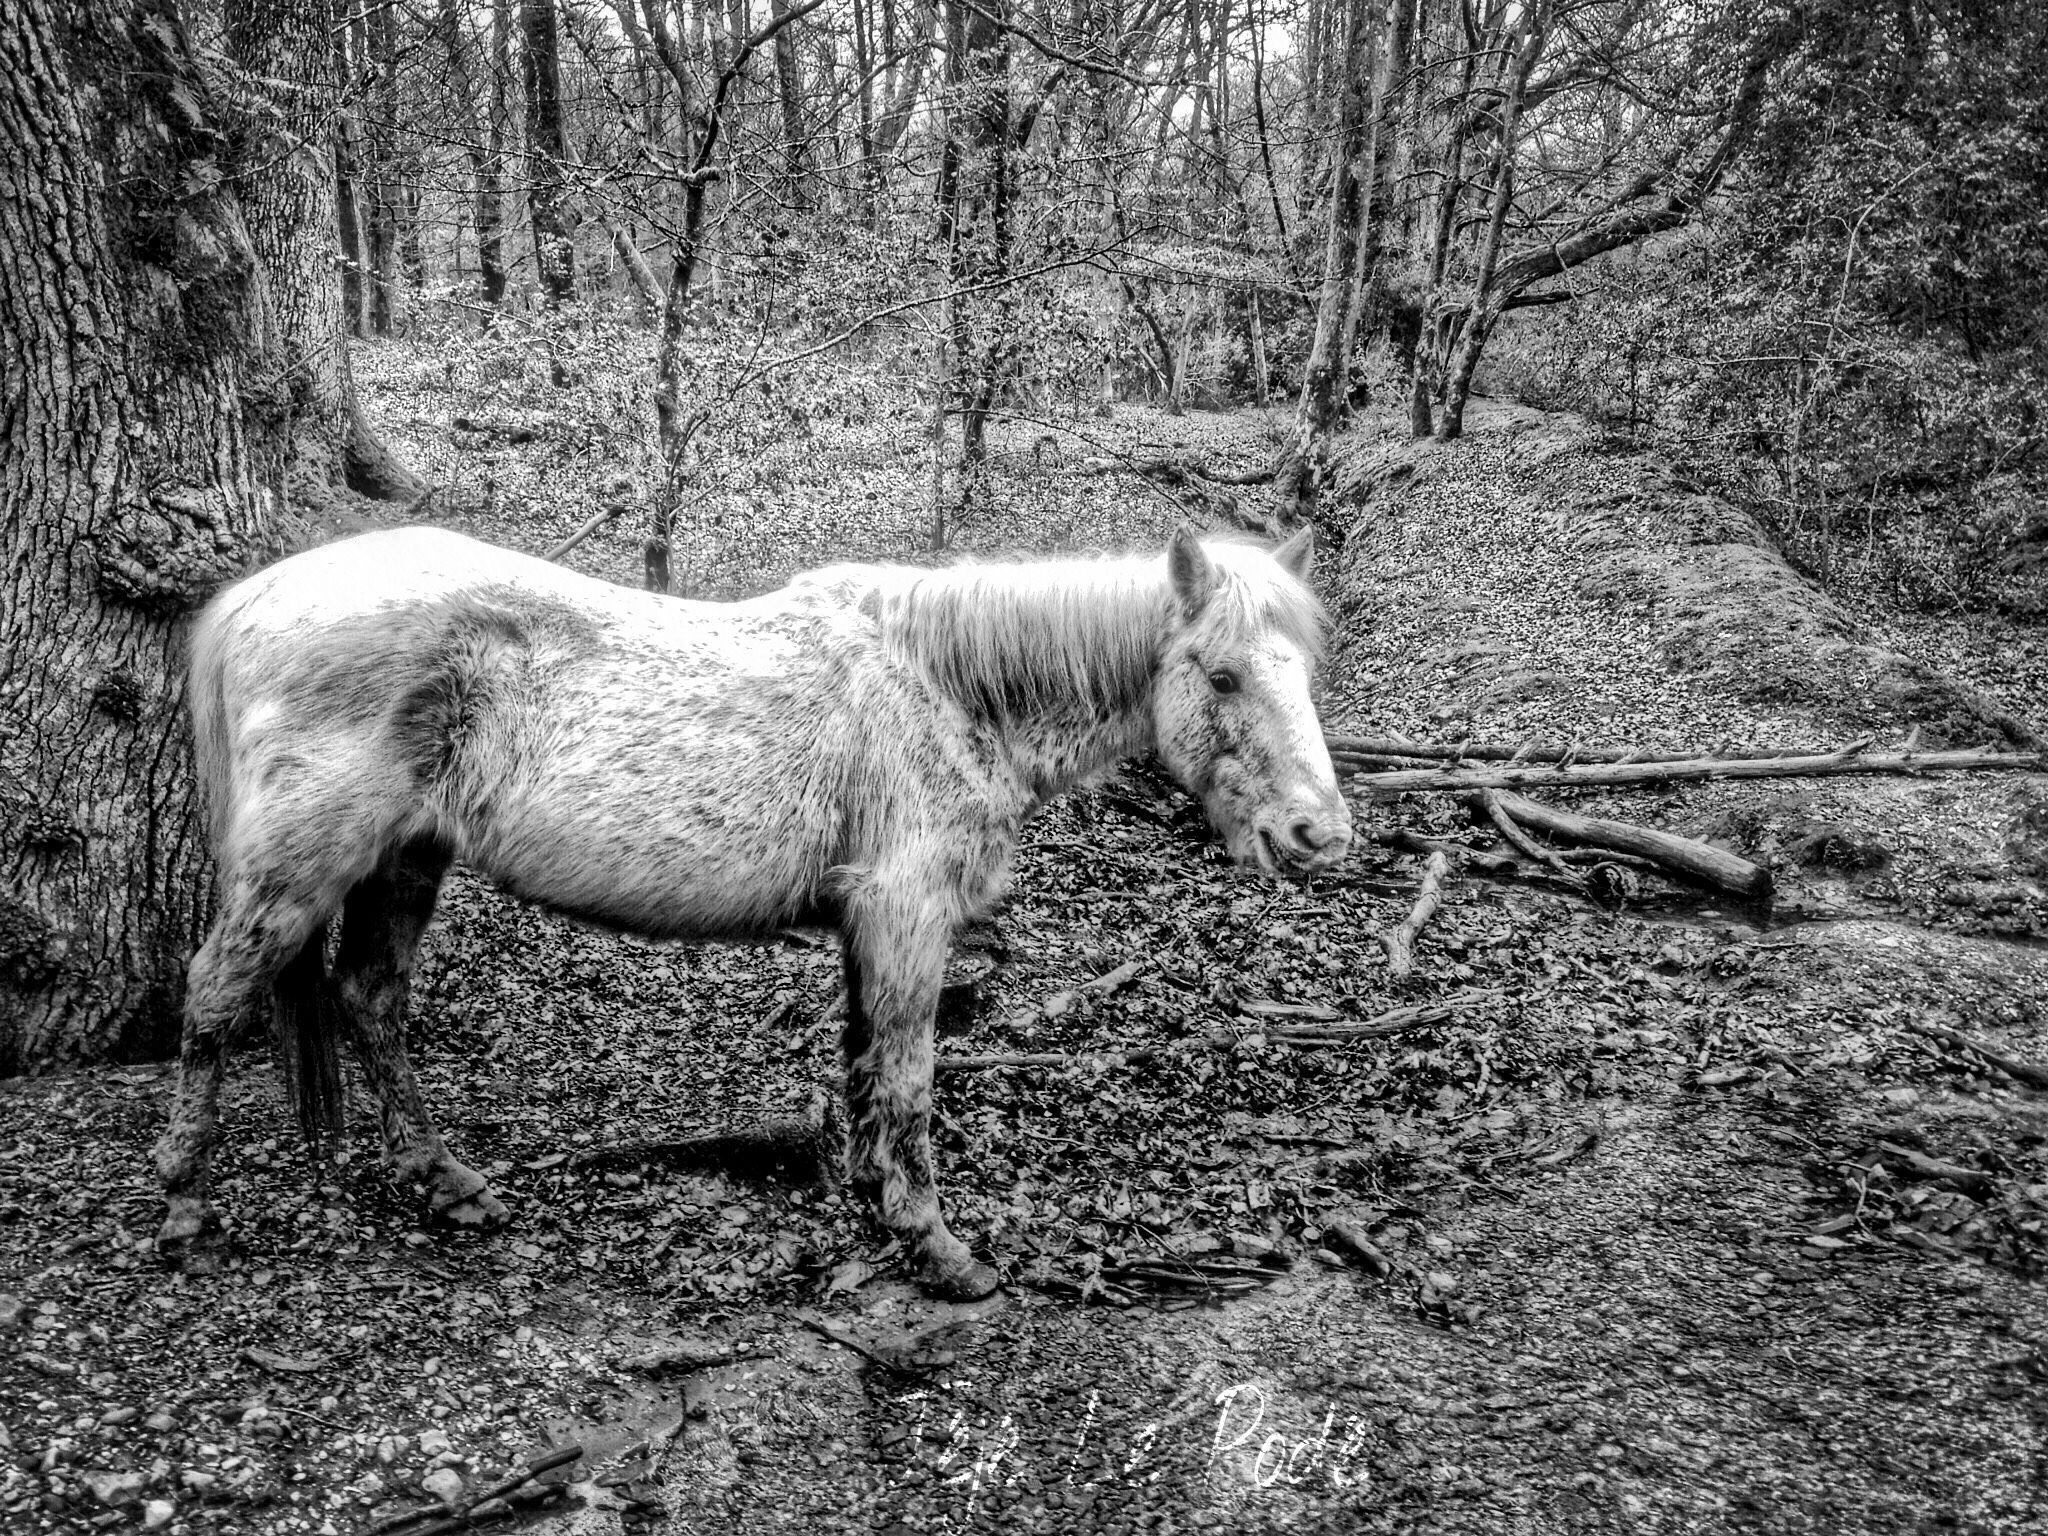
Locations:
{"points": [[1194, 577], [1298, 553]]}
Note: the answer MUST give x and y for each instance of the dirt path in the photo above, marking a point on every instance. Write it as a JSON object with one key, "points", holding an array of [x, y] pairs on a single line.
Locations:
{"points": [[1660, 1255]]}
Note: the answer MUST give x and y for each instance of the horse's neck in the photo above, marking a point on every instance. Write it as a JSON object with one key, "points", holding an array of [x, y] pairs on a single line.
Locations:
{"points": [[1051, 754], [1055, 662]]}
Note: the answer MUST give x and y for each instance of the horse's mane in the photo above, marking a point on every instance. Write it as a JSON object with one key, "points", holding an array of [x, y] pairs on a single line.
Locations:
{"points": [[1076, 635]]}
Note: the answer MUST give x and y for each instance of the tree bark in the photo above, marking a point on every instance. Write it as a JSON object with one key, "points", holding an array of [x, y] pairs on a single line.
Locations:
{"points": [[381, 141], [554, 248], [288, 203], [133, 481], [796, 165], [483, 143], [1485, 307]]}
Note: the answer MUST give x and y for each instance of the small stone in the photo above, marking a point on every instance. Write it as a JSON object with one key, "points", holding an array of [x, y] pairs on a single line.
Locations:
{"points": [[117, 1416], [116, 1487], [391, 1447], [12, 1309], [435, 1442], [445, 1484], [1904, 1098], [163, 1421], [158, 1513]]}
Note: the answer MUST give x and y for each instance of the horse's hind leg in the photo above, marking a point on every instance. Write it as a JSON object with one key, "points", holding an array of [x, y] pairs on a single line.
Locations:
{"points": [[895, 957], [381, 925], [259, 932]]}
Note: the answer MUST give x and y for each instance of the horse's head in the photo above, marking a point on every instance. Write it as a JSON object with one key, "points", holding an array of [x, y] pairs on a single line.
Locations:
{"points": [[1232, 710]]}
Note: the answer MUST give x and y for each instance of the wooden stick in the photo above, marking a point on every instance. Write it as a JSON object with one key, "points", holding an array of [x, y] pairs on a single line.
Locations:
{"points": [[1399, 943], [595, 521], [1671, 853], [1332, 1032], [1403, 841], [458, 1515], [2020, 1071], [1489, 805], [1531, 752], [1403, 781]]}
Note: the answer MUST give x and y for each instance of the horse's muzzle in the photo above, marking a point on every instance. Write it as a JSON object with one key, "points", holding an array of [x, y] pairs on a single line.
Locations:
{"points": [[1304, 842]]}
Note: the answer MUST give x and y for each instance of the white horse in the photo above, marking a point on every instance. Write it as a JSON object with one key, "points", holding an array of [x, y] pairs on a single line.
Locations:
{"points": [[859, 749]]}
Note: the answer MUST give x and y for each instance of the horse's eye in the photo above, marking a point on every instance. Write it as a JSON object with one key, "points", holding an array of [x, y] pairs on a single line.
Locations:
{"points": [[1225, 682]]}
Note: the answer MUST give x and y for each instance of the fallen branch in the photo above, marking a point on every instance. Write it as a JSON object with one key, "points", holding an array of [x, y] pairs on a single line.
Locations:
{"points": [[1399, 943], [1672, 854], [1974, 1182], [1488, 804], [2019, 1071], [1322, 1032], [1403, 781], [1529, 752], [1403, 841], [1178, 471], [1057, 1005], [457, 1516], [604, 514], [1348, 1236], [779, 1144]]}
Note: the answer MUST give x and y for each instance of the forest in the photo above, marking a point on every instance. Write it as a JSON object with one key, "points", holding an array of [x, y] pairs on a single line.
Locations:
{"points": [[1658, 386]]}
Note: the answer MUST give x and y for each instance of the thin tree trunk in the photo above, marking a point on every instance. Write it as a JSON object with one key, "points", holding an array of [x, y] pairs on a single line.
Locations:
{"points": [[288, 203], [483, 144], [554, 247], [130, 463], [348, 161], [381, 141], [796, 168], [1484, 308]]}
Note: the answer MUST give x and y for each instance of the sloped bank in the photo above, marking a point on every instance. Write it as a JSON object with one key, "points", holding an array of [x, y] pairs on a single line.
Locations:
{"points": [[1622, 530]]}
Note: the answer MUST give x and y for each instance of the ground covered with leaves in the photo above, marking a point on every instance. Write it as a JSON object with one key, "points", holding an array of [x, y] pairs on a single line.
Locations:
{"points": [[1671, 1218]]}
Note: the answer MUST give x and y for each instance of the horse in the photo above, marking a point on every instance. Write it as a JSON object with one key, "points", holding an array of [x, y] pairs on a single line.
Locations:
{"points": [[859, 750]]}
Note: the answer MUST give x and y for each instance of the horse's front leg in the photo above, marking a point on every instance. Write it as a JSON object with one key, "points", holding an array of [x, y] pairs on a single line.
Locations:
{"points": [[895, 954], [381, 925]]}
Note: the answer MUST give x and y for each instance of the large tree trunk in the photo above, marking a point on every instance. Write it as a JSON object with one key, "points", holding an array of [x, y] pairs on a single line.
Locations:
{"points": [[133, 481], [288, 201]]}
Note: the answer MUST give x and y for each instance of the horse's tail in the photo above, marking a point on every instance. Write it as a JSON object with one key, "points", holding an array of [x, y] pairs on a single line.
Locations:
{"points": [[306, 1023]]}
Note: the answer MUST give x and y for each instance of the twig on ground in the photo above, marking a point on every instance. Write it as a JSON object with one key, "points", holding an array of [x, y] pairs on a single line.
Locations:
{"points": [[1350, 1237], [457, 1517], [778, 1143], [1403, 841], [1403, 781], [1321, 1032], [1683, 856], [2020, 1071], [1487, 803], [1399, 943], [1530, 752]]}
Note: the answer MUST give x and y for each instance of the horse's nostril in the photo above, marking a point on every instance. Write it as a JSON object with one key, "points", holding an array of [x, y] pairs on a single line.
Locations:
{"points": [[1304, 835]]}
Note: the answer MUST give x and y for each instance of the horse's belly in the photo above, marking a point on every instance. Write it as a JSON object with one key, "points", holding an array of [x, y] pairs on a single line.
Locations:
{"points": [[733, 853]]}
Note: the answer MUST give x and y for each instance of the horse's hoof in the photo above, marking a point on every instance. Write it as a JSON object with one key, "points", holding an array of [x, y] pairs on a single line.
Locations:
{"points": [[480, 1211], [969, 1281], [191, 1239]]}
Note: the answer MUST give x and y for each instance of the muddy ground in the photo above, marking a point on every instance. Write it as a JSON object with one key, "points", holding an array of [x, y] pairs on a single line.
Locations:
{"points": [[1676, 1222]]}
